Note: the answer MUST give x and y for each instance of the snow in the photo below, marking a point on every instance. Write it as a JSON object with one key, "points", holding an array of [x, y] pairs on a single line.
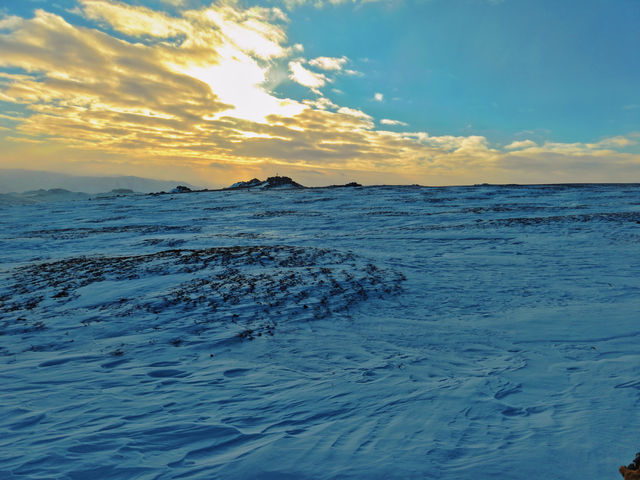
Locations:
{"points": [[378, 332]]}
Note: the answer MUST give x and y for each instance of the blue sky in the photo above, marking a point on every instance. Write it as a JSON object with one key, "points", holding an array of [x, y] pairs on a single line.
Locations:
{"points": [[441, 91], [500, 68]]}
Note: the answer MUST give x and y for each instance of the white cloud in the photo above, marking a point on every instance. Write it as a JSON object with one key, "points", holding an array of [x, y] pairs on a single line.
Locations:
{"points": [[306, 77], [387, 121], [321, 103], [519, 145], [328, 63], [9, 22], [613, 142], [603, 147], [252, 31], [359, 114]]}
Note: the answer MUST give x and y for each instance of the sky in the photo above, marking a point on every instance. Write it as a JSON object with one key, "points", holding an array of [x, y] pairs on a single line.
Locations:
{"points": [[434, 92]]}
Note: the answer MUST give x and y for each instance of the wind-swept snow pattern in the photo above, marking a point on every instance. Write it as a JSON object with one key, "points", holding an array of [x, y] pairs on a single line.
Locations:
{"points": [[190, 292], [376, 332]]}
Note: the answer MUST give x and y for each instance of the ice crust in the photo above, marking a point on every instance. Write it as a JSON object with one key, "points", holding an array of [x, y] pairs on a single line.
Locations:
{"points": [[382, 332]]}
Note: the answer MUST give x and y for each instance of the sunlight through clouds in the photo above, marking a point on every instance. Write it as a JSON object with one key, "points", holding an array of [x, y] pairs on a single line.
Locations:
{"points": [[138, 85], [237, 80]]}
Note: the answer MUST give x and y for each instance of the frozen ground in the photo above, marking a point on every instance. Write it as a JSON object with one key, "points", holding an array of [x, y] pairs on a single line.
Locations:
{"points": [[382, 332]]}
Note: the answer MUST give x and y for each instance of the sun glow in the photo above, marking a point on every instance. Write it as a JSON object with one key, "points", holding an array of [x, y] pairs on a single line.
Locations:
{"points": [[237, 81]]}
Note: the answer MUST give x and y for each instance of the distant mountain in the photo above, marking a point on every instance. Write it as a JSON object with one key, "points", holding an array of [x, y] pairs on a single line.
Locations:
{"points": [[16, 180], [41, 196]]}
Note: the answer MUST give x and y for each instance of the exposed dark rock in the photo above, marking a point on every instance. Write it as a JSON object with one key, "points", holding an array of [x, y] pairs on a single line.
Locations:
{"points": [[279, 182], [254, 182], [254, 287], [271, 182], [632, 471], [181, 189], [635, 465], [350, 184]]}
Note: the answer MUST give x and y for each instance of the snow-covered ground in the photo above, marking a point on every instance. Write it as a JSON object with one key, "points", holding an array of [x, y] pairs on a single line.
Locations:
{"points": [[382, 332]]}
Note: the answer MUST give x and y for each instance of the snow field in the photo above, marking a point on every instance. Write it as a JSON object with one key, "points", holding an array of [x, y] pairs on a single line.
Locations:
{"points": [[448, 332]]}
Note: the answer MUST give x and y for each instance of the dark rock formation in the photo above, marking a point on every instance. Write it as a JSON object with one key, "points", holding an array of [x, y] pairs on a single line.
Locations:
{"points": [[181, 189], [350, 184], [632, 471], [254, 182], [269, 183], [280, 182]]}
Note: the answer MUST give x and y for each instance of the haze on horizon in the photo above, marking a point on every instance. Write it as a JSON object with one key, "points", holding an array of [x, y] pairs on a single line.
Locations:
{"points": [[431, 92]]}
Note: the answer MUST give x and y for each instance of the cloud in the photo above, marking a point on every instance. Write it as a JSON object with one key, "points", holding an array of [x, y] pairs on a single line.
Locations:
{"points": [[174, 3], [251, 31], [321, 103], [386, 121], [518, 145], [221, 46], [613, 142], [305, 77], [352, 112], [378, 97], [9, 22], [328, 63], [602, 147], [133, 20]]}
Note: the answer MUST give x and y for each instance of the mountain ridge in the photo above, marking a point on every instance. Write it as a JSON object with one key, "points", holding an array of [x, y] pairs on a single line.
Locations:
{"points": [[22, 180]]}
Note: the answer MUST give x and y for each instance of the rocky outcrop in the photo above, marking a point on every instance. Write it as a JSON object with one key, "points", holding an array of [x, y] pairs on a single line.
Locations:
{"points": [[279, 182], [254, 182], [181, 189], [631, 471], [269, 183]]}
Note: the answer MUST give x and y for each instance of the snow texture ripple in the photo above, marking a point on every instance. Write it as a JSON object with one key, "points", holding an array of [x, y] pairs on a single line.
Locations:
{"points": [[377, 332]]}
